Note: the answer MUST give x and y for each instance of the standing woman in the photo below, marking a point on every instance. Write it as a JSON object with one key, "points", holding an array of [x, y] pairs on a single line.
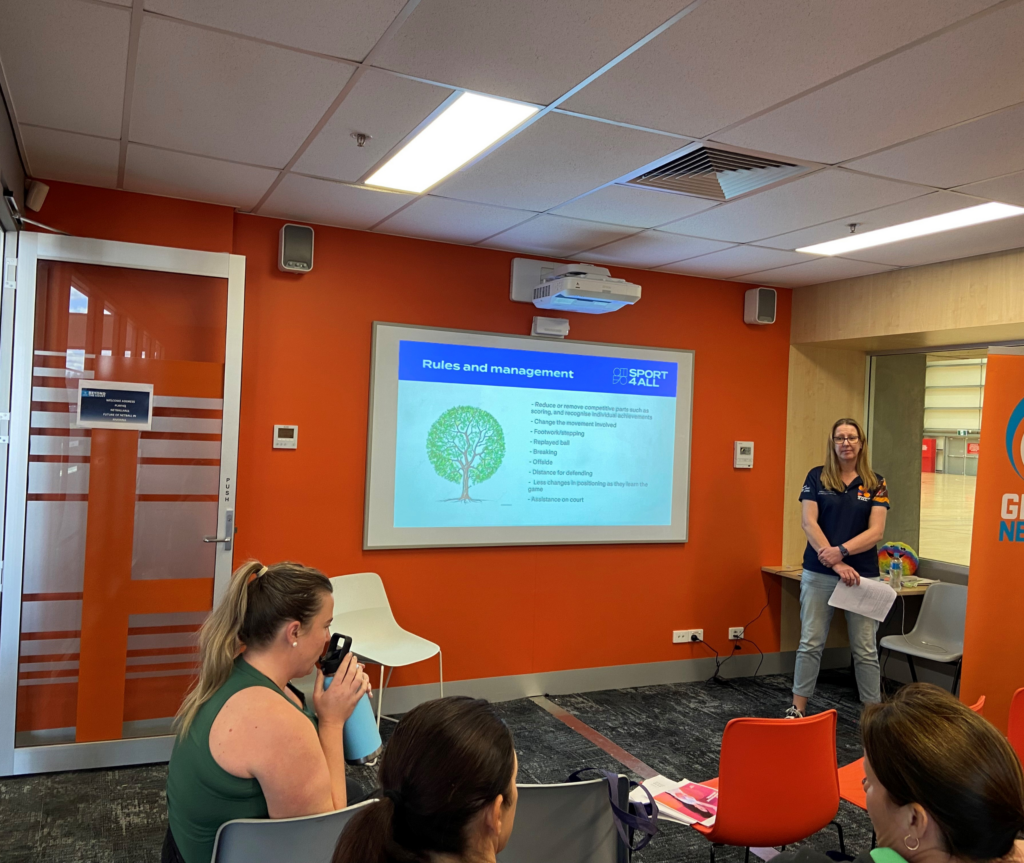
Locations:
{"points": [[248, 745], [843, 507]]}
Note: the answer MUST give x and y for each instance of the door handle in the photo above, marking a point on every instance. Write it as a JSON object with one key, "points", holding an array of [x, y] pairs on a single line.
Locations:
{"points": [[229, 529]]}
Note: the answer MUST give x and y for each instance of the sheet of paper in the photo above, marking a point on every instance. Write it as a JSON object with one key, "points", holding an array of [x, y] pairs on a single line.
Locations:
{"points": [[871, 598]]}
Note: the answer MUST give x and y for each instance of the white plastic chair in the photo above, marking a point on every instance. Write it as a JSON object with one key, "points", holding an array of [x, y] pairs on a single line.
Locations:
{"points": [[309, 839], [939, 632], [570, 822], [362, 611]]}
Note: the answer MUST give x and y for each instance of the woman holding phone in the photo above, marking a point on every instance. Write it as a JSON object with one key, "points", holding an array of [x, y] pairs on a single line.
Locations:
{"points": [[843, 507]]}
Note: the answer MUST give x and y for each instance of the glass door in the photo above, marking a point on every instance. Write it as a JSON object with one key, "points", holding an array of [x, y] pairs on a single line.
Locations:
{"points": [[120, 517]]}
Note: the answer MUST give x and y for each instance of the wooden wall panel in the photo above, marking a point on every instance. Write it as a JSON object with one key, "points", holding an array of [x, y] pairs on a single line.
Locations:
{"points": [[825, 383], [967, 301]]}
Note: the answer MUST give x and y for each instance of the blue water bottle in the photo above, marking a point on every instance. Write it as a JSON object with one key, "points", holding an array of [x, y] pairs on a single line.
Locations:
{"points": [[361, 737]]}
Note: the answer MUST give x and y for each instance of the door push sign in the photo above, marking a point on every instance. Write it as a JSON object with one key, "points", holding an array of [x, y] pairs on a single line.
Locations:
{"points": [[115, 405]]}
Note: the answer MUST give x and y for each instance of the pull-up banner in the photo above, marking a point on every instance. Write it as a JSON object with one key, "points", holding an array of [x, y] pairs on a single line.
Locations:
{"points": [[994, 638]]}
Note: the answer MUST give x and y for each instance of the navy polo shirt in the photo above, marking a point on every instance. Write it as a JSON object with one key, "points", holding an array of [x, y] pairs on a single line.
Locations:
{"points": [[841, 517]]}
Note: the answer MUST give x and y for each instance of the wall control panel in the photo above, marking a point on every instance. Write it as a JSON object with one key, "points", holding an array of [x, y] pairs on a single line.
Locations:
{"points": [[286, 437], [743, 453]]}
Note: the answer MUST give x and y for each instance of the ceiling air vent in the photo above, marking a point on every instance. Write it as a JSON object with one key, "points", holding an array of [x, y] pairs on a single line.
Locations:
{"points": [[717, 174]]}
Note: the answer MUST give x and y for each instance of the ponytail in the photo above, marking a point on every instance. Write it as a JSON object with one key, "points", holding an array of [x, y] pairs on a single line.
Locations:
{"points": [[370, 837], [258, 601], [446, 760]]}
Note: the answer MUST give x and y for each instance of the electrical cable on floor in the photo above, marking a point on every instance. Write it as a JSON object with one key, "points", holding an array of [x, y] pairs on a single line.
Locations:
{"points": [[720, 663]]}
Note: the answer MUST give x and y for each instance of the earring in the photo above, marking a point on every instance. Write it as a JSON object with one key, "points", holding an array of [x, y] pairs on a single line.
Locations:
{"points": [[295, 644], [905, 842]]}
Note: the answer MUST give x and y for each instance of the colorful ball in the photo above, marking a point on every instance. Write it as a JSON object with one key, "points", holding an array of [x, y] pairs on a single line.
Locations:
{"points": [[908, 557]]}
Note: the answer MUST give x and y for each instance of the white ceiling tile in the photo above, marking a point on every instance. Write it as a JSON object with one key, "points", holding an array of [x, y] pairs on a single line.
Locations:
{"points": [[883, 217], [338, 28], [651, 249], [381, 105], [737, 261], [217, 95], [556, 236], [330, 203], [967, 72], [814, 273], [1007, 190], [949, 245], [555, 159], [528, 49], [195, 178], [989, 147], [73, 158], [626, 205], [730, 58], [65, 63], [454, 221], [818, 197]]}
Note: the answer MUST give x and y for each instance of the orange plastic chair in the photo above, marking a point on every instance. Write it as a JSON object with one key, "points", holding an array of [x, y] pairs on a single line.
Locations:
{"points": [[979, 706], [1015, 727], [777, 782]]}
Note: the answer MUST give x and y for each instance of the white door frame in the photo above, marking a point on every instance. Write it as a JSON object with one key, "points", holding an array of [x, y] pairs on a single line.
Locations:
{"points": [[32, 248]]}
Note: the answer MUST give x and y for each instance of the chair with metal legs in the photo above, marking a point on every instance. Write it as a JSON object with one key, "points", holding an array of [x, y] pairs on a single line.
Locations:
{"points": [[362, 611], [939, 632]]}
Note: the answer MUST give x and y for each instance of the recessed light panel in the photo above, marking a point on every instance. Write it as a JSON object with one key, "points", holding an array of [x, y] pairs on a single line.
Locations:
{"points": [[917, 228], [467, 126]]}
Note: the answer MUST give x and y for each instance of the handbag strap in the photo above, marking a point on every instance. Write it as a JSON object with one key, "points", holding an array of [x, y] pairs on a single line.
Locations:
{"points": [[638, 819]]}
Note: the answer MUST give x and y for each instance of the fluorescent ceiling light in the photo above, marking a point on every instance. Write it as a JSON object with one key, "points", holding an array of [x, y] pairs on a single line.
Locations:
{"points": [[918, 228], [467, 126]]}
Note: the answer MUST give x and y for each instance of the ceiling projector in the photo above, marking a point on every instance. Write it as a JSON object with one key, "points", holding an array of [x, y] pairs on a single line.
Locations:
{"points": [[584, 288]]}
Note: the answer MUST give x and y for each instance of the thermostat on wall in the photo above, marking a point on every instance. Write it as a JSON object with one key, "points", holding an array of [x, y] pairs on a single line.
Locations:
{"points": [[743, 453], [286, 437]]}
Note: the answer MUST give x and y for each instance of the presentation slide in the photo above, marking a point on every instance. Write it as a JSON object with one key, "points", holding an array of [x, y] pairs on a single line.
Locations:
{"points": [[479, 439]]}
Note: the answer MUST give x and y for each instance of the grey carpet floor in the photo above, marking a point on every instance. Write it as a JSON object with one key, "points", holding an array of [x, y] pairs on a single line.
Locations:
{"points": [[120, 816]]}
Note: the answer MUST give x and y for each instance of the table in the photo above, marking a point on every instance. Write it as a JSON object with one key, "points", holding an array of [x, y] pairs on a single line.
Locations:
{"points": [[793, 572]]}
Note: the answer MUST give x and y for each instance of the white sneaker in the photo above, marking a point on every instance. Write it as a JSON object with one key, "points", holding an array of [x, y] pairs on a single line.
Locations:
{"points": [[794, 713]]}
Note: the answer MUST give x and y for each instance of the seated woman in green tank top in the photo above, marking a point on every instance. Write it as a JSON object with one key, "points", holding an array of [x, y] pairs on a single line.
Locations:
{"points": [[248, 746]]}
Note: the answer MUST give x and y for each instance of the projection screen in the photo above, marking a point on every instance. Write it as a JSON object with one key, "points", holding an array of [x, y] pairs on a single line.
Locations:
{"points": [[486, 439]]}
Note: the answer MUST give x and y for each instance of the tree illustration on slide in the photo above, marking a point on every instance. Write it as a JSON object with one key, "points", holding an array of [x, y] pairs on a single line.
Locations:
{"points": [[466, 445]]}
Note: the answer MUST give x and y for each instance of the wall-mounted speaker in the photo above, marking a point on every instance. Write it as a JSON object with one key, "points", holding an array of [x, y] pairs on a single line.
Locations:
{"points": [[296, 249], [759, 306]]}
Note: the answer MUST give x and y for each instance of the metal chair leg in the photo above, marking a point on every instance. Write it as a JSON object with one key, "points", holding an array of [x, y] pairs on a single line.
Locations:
{"points": [[842, 839], [956, 677], [746, 855], [712, 852], [913, 670], [440, 672]]}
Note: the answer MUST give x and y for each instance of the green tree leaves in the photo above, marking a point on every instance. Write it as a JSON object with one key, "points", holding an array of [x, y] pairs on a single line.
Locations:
{"points": [[466, 445]]}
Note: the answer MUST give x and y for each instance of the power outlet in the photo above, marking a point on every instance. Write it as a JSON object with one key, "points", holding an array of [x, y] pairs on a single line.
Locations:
{"points": [[684, 636], [735, 633]]}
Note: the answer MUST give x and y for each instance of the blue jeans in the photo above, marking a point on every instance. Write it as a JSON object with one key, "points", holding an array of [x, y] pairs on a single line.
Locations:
{"points": [[815, 618]]}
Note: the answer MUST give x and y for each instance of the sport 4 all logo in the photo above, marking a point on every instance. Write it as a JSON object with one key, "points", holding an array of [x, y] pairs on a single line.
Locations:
{"points": [[650, 378]]}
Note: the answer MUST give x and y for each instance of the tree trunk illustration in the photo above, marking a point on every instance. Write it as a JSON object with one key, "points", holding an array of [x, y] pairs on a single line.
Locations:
{"points": [[465, 445]]}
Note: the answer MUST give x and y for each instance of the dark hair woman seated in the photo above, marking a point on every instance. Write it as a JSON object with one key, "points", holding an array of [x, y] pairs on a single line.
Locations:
{"points": [[448, 786], [942, 783]]}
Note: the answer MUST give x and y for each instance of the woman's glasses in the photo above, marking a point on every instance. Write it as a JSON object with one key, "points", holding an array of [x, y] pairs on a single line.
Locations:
{"points": [[846, 439]]}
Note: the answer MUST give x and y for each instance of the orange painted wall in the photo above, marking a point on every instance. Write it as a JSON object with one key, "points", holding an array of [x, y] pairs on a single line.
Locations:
{"points": [[499, 611]]}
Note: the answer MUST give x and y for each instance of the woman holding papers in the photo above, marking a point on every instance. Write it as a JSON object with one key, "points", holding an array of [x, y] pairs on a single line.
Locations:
{"points": [[942, 784], [844, 504]]}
